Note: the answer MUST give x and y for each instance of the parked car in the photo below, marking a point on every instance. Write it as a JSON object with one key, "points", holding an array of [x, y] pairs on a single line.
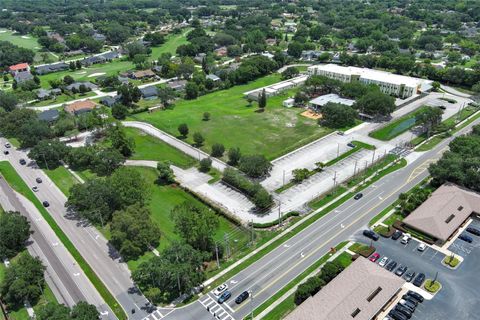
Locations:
{"points": [[23, 162], [397, 315], [396, 235], [421, 247], [358, 196], [408, 304], [351, 145], [224, 297], [474, 231], [374, 257], [370, 234], [401, 270], [242, 297], [410, 299], [35, 188], [409, 276], [5, 152], [403, 310], [419, 279], [465, 238], [38, 180], [391, 265], [383, 262], [46, 204], [415, 295], [220, 289], [406, 238]]}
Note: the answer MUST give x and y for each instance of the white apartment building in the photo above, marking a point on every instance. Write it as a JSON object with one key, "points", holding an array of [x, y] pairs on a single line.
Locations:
{"points": [[389, 83]]}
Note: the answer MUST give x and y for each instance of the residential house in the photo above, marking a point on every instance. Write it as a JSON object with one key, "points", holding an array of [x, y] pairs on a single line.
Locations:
{"points": [[271, 42], [49, 115], [177, 85], [199, 57], [221, 52], [99, 37], [143, 74], [90, 86], [44, 94], [55, 36], [49, 68], [73, 53], [79, 107], [150, 92], [110, 101], [213, 77], [23, 76], [21, 67], [310, 55]]}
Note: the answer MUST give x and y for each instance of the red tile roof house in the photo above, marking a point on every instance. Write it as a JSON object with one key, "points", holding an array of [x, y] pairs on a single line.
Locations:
{"points": [[21, 67]]}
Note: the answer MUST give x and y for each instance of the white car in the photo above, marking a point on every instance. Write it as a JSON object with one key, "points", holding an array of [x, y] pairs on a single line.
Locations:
{"points": [[220, 289], [383, 262], [421, 247], [406, 238]]}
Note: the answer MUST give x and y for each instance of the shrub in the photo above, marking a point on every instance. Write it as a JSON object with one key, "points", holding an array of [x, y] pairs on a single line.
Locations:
{"points": [[205, 164], [259, 196], [217, 150]]}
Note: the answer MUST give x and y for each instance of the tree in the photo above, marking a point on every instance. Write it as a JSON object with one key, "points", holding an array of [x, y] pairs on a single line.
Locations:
{"points": [[191, 90], [375, 103], [476, 87], [290, 72], [198, 139], [119, 111], [262, 100], [14, 232], [130, 187], [430, 118], [196, 225], [262, 199], [330, 270], [300, 98], [129, 94], [166, 175], [183, 130], [255, 166], [300, 174], [337, 115], [295, 49], [30, 133], [118, 139], [8, 101], [206, 116], [23, 281], [84, 311], [53, 311], [178, 269], [217, 150], [205, 165], [68, 80], [107, 161], [308, 289], [234, 156], [133, 232], [166, 96], [49, 153]]}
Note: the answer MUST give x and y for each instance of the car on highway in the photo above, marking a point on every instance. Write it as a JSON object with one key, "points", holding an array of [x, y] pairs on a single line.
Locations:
{"points": [[224, 297], [38, 180], [358, 196], [415, 295], [35, 188], [409, 276], [23, 162], [465, 238], [419, 279], [474, 231], [5, 152], [391, 265], [220, 289], [406, 238], [401, 270], [46, 204], [242, 297], [374, 257], [370, 234], [396, 235], [421, 247], [383, 262], [7, 145]]}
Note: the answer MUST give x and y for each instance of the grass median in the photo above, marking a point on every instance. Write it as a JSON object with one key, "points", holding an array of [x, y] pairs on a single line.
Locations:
{"points": [[17, 183]]}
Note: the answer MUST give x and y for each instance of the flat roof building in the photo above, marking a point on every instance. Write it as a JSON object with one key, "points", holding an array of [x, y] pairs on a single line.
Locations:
{"points": [[446, 210], [389, 83], [320, 101], [359, 292]]}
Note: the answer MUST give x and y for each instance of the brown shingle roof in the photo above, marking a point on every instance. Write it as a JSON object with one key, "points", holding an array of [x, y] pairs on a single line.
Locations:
{"points": [[444, 211], [350, 291], [80, 106]]}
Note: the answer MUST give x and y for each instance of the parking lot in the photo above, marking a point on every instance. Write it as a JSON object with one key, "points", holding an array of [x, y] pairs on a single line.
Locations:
{"points": [[459, 296]]}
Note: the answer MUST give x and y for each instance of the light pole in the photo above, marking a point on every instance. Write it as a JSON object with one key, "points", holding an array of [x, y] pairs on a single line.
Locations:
{"points": [[251, 304]]}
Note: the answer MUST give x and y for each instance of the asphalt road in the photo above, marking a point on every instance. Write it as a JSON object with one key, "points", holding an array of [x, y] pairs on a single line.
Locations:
{"points": [[272, 272], [66, 279], [91, 244]]}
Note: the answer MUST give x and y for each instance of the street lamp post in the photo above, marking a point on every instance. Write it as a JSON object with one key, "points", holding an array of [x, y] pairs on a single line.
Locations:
{"points": [[251, 304]]}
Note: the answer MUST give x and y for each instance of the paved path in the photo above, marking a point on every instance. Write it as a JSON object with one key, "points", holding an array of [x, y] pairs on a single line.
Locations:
{"points": [[454, 91]]}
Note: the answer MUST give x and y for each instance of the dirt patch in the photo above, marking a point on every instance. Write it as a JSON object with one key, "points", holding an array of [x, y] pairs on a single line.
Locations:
{"points": [[311, 115]]}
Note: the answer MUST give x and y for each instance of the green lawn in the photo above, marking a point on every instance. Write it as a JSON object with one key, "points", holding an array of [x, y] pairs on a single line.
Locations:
{"points": [[26, 41], [236, 124], [61, 99], [162, 200], [62, 178], [171, 44], [151, 148], [344, 259], [397, 127]]}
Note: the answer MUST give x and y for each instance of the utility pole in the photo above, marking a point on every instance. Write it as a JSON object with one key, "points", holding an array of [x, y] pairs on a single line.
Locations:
{"points": [[227, 246], [365, 173], [252, 236], [283, 178], [355, 169], [251, 304], [338, 149], [373, 157], [335, 180], [279, 214], [216, 253]]}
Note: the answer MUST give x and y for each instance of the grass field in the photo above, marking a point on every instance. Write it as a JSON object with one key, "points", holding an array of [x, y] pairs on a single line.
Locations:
{"points": [[162, 200], [62, 178], [236, 124], [171, 44], [151, 148], [16, 182], [26, 41], [397, 127]]}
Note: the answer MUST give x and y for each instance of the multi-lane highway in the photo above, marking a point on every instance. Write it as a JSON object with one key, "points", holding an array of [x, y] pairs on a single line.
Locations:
{"points": [[91, 244], [272, 272]]}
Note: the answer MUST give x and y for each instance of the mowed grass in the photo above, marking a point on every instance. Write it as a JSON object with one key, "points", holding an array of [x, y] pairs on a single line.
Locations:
{"points": [[62, 178], [26, 41], [162, 200], [234, 123], [398, 126], [151, 148], [173, 41]]}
